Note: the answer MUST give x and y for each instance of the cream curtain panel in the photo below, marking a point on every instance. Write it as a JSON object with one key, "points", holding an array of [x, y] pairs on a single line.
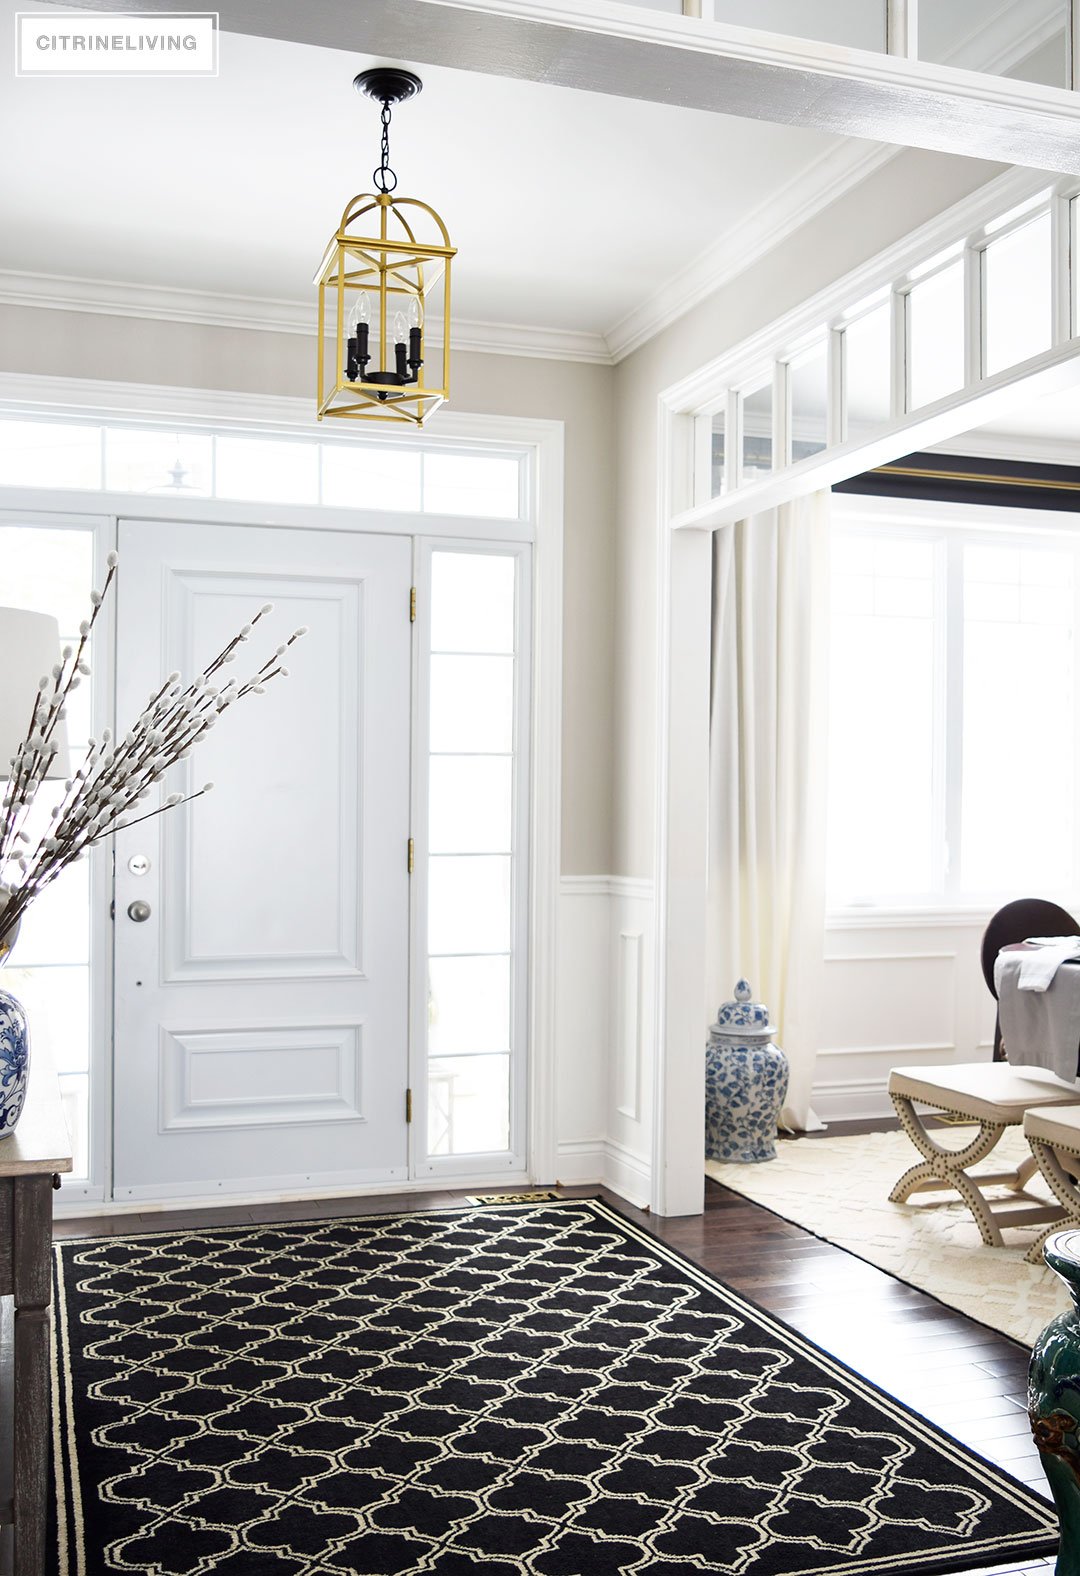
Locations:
{"points": [[768, 764]]}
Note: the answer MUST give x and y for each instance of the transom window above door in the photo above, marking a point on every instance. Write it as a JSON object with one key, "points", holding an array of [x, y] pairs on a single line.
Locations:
{"points": [[189, 463]]}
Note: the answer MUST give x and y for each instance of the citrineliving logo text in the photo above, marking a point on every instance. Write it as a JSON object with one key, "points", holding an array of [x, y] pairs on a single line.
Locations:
{"points": [[116, 44]]}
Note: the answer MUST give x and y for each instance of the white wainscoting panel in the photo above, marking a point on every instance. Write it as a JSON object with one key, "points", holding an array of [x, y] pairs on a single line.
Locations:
{"points": [[628, 1025], [583, 1027], [629, 1130], [897, 990], [605, 1065]]}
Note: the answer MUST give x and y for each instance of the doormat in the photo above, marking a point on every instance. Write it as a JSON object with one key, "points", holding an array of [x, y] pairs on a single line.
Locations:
{"points": [[536, 1388]]}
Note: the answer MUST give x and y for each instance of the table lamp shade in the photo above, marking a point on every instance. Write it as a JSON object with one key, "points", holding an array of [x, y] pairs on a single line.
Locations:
{"points": [[29, 649]]}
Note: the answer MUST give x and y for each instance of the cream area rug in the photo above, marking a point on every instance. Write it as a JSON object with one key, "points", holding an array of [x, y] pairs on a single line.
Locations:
{"points": [[838, 1188]]}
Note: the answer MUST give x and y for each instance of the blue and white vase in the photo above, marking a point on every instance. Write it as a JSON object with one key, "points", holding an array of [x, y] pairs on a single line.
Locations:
{"points": [[14, 1062], [746, 1081], [14, 1048]]}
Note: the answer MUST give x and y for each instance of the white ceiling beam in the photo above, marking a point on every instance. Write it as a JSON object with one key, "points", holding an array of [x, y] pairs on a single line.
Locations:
{"points": [[604, 47]]}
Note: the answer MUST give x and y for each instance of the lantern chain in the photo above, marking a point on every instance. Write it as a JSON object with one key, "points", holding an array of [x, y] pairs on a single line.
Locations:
{"points": [[384, 177]]}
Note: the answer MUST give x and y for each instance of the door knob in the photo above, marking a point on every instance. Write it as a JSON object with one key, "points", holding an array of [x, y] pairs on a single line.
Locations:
{"points": [[138, 911]]}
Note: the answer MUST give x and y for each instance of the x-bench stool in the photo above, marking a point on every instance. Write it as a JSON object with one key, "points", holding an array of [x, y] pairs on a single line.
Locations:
{"points": [[996, 1096]]}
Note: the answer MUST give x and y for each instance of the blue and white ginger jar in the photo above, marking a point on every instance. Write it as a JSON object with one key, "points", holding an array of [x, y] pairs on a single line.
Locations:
{"points": [[14, 1062], [746, 1082]]}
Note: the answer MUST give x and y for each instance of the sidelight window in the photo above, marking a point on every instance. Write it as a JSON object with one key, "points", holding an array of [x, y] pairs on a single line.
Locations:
{"points": [[474, 877], [52, 571]]}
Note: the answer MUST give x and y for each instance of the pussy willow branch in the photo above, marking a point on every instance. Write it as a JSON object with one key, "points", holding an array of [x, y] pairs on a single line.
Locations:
{"points": [[115, 775]]}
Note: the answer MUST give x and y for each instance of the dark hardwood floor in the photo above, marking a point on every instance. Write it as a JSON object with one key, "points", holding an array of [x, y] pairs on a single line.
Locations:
{"points": [[967, 1379]]}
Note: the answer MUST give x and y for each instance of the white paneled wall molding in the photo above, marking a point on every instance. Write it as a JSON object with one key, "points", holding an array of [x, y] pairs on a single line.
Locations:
{"points": [[605, 1060], [898, 988]]}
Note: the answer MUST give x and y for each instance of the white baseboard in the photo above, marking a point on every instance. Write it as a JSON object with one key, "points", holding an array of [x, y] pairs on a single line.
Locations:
{"points": [[607, 1164], [851, 1100], [580, 1161], [627, 1174]]}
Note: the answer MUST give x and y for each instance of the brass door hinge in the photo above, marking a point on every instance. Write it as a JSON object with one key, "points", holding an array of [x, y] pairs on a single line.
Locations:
{"points": [[412, 854], [412, 604], [408, 1105]]}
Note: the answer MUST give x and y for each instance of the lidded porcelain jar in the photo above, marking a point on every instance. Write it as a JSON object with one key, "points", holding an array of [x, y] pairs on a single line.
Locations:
{"points": [[746, 1081]]}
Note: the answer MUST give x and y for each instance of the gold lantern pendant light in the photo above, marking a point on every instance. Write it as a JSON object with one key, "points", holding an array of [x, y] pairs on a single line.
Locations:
{"points": [[388, 256]]}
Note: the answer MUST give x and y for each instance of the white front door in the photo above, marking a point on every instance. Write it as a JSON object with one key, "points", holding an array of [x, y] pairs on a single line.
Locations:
{"points": [[262, 1005]]}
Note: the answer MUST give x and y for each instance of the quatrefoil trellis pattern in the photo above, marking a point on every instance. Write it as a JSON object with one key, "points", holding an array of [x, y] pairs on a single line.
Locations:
{"points": [[480, 1392]]}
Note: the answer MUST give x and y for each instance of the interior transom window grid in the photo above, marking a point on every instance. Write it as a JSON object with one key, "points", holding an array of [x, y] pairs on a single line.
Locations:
{"points": [[1027, 43], [991, 303]]}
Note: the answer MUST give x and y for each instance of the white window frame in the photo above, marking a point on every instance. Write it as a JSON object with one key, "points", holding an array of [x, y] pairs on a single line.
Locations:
{"points": [[541, 443], [512, 1161], [952, 526], [977, 296], [102, 530]]}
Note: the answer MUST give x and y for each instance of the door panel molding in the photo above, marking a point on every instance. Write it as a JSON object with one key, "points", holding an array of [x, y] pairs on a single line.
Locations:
{"points": [[189, 956], [300, 1074]]}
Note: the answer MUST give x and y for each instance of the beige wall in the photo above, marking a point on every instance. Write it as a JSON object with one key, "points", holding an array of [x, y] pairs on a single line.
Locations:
{"points": [[577, 394], [909, 190]]}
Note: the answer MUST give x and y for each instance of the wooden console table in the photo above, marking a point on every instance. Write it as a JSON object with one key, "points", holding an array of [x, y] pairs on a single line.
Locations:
{"points": [[37, 1151]]}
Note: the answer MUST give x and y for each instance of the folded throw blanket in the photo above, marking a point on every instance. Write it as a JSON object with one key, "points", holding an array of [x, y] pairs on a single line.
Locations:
{"points": [[1037, 969], [1041, 1028]]}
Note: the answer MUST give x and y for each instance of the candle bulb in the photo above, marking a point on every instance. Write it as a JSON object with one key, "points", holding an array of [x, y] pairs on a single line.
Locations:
{"points": [[399, 347], [363, 320], [357, 343], [416, 358]]}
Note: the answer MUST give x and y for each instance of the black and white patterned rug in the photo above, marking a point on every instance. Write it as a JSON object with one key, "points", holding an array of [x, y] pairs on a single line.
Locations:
{"points": [[512, 1388]]}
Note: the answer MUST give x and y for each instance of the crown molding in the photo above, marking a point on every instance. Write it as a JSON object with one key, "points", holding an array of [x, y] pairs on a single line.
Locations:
{"points": [[767, 226], [113, 298], [524, 339]]}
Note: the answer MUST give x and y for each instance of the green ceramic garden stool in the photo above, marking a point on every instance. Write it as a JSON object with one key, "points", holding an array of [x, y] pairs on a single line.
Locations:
{"points": [[1054, 1400]]}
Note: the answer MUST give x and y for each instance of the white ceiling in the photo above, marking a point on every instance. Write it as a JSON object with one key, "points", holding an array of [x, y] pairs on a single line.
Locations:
{"points": [[1056, 418], [569, 209]]}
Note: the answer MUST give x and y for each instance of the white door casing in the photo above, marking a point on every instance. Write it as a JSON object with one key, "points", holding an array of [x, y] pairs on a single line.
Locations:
{"points": [[261, 1009]]}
